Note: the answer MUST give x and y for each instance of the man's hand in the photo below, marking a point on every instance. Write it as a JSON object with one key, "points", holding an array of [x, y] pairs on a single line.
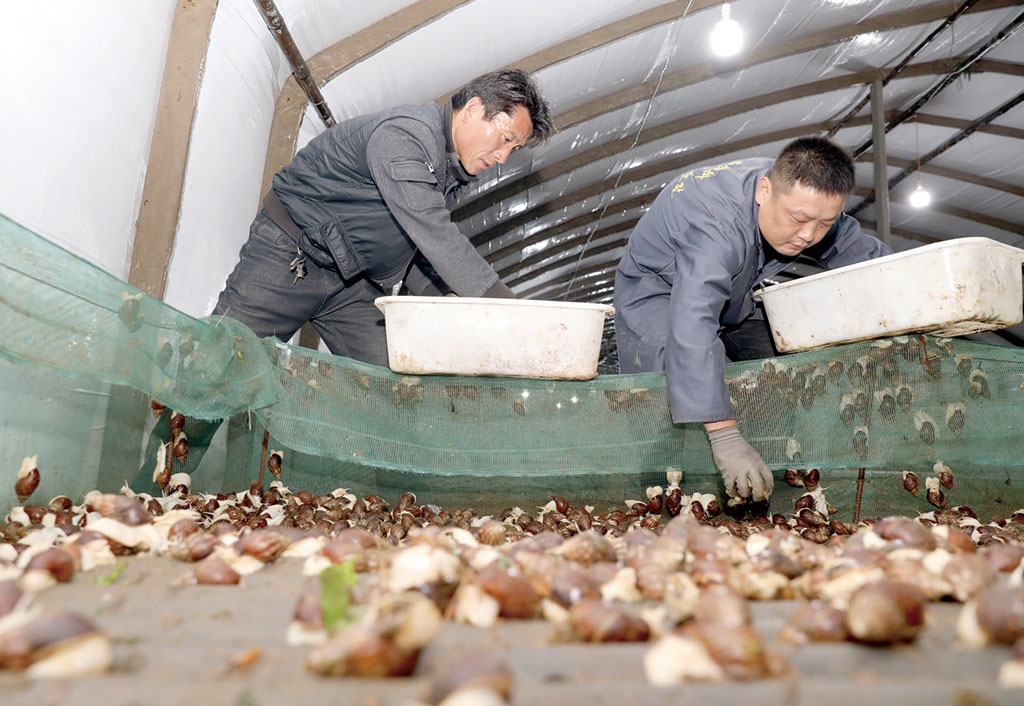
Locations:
{"points": [[744, 471]]}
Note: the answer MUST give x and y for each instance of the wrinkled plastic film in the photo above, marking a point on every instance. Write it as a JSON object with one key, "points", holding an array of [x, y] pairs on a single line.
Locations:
{"points": [[629, 60]]}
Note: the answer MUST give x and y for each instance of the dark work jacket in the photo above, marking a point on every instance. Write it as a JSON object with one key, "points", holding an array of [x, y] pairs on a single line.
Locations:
{"points": [[691, 265], [374, 192]]}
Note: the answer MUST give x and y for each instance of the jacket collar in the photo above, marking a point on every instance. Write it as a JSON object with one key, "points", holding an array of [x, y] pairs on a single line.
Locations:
{"points": [[455, 167]]}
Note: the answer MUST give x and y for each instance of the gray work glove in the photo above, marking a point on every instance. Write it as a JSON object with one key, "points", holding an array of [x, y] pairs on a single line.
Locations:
{"points": [[744, 471]]}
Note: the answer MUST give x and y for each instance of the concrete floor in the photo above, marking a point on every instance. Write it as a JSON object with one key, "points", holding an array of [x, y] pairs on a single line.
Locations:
{"points": [[174, 644]]}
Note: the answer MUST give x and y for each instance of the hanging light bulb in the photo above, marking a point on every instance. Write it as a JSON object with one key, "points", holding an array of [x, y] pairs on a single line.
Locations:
{"points": [[727, 36], [920, 197]]}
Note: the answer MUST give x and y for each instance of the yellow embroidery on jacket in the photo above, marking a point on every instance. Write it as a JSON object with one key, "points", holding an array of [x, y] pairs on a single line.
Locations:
{"points": [[704, 173]]}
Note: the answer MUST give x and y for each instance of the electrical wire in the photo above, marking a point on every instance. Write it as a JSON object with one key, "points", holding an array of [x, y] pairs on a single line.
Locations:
{"points": [[917, 147], [636, 139]]}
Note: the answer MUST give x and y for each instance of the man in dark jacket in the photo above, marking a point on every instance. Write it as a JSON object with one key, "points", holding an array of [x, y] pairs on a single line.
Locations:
{"points": [[367, 204], [683, 288]]}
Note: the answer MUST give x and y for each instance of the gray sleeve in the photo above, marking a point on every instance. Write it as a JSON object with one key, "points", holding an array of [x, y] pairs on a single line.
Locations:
{"points": [[402, 168], [694, 354], [423, 280], [850, 245]]}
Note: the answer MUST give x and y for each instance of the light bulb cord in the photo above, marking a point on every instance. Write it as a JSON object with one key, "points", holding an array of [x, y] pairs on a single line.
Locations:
{"points": [[917, 146]]}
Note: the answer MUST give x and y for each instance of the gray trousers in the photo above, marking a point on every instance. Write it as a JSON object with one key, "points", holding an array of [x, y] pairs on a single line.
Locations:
{"points": [[749, 340], [264, 295]]}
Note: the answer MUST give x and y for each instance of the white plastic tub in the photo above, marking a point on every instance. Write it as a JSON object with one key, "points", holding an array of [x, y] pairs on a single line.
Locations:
{"points": [[508, 337], [946, 289]]}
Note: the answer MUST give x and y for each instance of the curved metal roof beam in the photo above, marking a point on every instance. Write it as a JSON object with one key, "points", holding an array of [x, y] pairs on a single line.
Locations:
{"points": [[575, 242], [356, 47], [598, 296], [600, 279], [578, 222], [611, 32], [658, 132], [955, 174], [606, 275], [948, 144], [895, 71], [810, 42], [1014, 133], [605, 268], [567, 225], [962, 69], [570, 243], [607, 281], [588, 273], [653, 168], [581, 292], [643, 172], [167, 162], [957, 212], [563, 262], [903, 233], [327, 64], [797, 45], [291, 102], [589, 291]]}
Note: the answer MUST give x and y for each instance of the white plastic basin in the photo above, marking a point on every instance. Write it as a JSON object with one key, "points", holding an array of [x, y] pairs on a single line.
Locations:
{"points": [[507, 337], [946, 289]]}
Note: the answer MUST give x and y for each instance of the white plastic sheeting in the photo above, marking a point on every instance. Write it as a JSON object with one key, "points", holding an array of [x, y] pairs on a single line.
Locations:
{"points": [[780, 117], [757, 80], [88, 151], [476, 37], [245, 71], [76, 123]]}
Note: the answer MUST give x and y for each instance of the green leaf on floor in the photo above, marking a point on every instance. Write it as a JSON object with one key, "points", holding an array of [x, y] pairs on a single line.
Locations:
{"points": [[114, 575], [336, 583]]}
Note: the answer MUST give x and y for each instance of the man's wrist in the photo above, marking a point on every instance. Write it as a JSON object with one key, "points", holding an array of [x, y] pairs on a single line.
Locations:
{"points": [[715, 426]]}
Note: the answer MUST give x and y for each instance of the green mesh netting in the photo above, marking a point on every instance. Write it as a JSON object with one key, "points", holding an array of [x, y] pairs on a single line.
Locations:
{"points": [[884, 406]]}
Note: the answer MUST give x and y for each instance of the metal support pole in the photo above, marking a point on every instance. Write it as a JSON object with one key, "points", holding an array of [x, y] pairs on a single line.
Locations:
{"points": [[881, 176], [956, 139], [961, 68], [300, 69], [903, 64]]}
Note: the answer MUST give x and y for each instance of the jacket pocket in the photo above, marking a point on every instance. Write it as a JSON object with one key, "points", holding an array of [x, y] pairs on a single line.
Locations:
{"points": [[411, 177], [269, 233], [333, 235]]}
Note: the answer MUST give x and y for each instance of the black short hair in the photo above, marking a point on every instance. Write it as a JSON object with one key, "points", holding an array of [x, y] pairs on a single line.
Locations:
{"points": [[815, 162], [501, 91]]}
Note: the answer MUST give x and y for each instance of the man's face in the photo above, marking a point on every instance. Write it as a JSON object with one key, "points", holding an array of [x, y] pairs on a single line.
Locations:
{"points": [[481, 143], [794, 219]]}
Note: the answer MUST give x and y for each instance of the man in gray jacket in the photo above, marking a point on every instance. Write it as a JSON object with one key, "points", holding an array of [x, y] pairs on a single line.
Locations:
{"points": [[367, 204], [683, 288]]}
